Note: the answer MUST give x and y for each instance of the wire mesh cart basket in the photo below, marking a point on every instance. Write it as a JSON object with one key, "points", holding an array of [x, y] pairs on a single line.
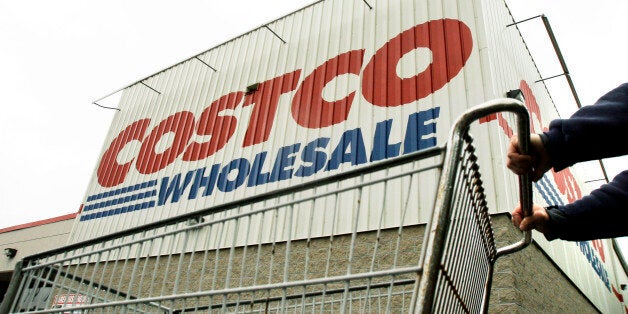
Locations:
{"points": [[274, 253]]}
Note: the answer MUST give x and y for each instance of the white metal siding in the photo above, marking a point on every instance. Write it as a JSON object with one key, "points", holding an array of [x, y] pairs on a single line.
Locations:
{"points": [[313, 36]]}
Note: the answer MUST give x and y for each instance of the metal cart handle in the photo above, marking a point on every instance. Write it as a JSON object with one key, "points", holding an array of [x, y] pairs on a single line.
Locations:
{"points": [[523, 128]]}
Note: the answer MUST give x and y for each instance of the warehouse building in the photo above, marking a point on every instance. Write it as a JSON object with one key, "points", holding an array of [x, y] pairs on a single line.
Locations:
{"points": [[331, 160]]}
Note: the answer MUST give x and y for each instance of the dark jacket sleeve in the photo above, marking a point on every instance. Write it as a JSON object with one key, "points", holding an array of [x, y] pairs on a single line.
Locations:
{"points": [[593, 132], [602, 214]]}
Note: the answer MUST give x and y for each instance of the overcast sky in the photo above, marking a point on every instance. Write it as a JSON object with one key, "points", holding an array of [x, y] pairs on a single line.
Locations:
{"points": [[57, 57]]}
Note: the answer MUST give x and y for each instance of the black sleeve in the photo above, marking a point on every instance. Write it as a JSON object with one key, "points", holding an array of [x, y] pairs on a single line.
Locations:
{"points": [[602, 214], [593, 132]]}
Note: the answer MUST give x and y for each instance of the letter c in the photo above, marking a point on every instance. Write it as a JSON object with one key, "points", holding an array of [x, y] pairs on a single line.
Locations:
{"points": [[110, 172]]}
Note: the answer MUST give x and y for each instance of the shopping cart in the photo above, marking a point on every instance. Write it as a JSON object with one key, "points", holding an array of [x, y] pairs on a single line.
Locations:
{"points": [[276, 252]]}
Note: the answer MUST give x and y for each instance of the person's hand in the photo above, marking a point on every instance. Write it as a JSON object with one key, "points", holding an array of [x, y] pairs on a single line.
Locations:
{"points": [[538, 220], [535, 163]]}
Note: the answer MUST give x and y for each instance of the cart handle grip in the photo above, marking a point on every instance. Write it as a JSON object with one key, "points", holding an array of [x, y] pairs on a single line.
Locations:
{"points": [[523, 128]]}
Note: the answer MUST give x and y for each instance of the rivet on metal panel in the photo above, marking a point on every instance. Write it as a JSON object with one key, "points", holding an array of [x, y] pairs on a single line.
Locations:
{"points": [[268, 28], [154, 90], [203, 62]]}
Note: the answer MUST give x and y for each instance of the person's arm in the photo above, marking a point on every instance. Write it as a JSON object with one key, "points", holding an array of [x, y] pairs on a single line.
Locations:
{"points": [[602, 214], [593, 132]]}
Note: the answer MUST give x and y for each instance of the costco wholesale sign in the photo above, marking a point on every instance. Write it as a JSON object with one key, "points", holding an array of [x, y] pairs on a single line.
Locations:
{"points": [[334, 86], [315, 116], [308, 109]]}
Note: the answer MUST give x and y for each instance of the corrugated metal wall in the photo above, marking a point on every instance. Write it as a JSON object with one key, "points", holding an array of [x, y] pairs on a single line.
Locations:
{"points": [[334, 78]]}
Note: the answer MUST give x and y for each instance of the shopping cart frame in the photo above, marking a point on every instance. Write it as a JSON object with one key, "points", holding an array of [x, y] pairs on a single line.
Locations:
{"points": [[440, 223], [433, 251]]}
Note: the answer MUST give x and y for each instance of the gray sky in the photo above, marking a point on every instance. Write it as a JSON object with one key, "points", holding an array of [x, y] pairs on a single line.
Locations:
{"points": [[56, 57]]}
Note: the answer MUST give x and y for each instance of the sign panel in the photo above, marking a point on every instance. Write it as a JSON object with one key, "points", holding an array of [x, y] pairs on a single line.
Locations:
{"points": [[255, 113]]}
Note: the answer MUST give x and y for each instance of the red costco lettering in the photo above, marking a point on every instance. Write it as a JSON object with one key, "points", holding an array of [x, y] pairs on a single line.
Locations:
{"points": [[221, 128], [450, 42], [309, 109], [110, 172], [567, 184], [182, 125], [532, 105], [599, 247], [266, 99]]}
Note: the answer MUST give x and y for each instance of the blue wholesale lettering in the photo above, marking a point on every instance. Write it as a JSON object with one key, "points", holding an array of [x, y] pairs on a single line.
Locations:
{"points": [[350, 149], [313, 155]]}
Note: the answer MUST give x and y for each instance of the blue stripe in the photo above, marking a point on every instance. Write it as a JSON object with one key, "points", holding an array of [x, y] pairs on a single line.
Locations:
{"points": [[552, 190], [542, 192], [548, 191], [547, 187], [122, 190], [559, 200], [118, 211], [122, 200]]}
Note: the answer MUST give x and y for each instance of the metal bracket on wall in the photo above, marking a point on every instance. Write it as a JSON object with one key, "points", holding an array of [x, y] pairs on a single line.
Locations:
{"points": [[154, 90], [205, 63], [559, 55], [268, 28], [99, 105]]}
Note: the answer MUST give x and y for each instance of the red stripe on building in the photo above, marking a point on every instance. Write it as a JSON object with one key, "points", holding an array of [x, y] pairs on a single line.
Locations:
{"points": [[39, 223]]}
